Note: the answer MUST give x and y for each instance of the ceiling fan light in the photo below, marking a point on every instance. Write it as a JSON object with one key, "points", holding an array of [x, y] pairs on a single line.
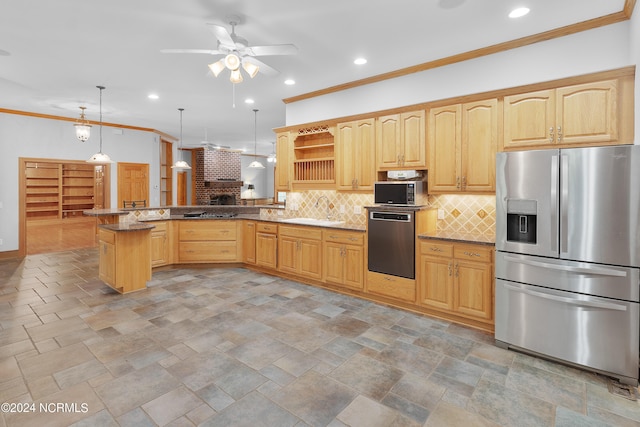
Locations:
{"points": [[232, 62], [250, 68], [236, 77], [217, 67]]}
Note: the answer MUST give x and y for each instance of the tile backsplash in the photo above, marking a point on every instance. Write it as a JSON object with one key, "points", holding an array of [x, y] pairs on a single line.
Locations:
{"points": [[466, 213]]}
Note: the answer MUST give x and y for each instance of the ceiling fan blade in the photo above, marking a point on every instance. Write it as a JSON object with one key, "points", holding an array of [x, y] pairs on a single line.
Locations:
{"points": [[275, 49], [207, 51], [222, 35], [263, 68]]}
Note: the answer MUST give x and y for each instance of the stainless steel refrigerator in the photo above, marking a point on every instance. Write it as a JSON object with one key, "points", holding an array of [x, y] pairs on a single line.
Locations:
{"points": [[568, 256]]}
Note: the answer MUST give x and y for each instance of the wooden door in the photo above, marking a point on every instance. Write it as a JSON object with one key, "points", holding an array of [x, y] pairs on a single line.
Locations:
{"points": [[444, 149], [310, 258], [473, 285], [587, 113], [529, 119], [288, 254], [413, 152], [249, 242], [363, 154], [344, 156], [334, 263], [353, 266], [388, 141], [436, 282], [133, 182], [479, 144], [182, 188], [283, 167], [266, 250]]}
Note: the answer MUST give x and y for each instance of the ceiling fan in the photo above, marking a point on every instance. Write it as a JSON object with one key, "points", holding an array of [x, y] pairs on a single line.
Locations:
{"points": [[238, 53]]}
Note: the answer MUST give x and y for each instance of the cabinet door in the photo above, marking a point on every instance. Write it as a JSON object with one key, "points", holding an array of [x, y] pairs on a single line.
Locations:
{"points": [[587, 113], [107, 266], [473, 289], [159, 248], [283, 165], [288, 254], [346, 156], [413, 140], [436, 284], [249, 242], [479, 143], [266, 250], [310, 258], [363, 155], [333, 263], [353, 266], [388, 142], [444, 149], [529, 119]]}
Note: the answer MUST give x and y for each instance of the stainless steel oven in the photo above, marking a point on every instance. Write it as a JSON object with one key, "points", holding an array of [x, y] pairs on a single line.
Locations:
{"points": [[391, 243]]}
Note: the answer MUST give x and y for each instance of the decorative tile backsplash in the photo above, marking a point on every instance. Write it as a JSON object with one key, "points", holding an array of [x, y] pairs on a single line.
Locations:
{"points": [[466, 213]]}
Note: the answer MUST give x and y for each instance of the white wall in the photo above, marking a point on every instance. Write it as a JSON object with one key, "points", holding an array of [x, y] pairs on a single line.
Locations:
{"points": [[586, 52], [25, 136], [261, 178]]}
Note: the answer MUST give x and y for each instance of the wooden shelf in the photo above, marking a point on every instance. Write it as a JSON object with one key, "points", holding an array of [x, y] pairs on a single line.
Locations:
{"points": [[314, 157]]}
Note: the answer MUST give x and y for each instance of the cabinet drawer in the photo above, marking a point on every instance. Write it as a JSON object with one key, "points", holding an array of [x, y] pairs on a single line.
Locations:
{"points": [[436, 248], [345, 237], [207, 251], [473, 253], [265, 227], [207, 230], [301, 232], [107, 236], [160, 226], [391, 286]]}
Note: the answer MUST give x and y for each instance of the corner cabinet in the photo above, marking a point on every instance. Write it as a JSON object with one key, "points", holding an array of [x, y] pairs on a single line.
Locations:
{"points": [[355, 155], [401, 141], [577, 115], [462, 142]]}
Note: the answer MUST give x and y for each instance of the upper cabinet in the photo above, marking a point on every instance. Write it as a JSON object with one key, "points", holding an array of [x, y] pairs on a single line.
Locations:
{"points": [[283, 167], [401, 141], [355, 155], [462, 146], [585, 114]]}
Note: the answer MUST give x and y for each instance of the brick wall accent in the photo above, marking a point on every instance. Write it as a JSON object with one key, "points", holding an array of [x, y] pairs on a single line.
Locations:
{"points": [[213, 165]]}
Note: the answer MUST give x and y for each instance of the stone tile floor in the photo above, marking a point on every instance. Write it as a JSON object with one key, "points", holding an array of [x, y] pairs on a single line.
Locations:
{"points": [[231, 347]]}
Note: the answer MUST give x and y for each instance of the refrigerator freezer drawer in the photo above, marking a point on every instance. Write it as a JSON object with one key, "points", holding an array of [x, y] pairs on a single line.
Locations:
{"points": [[597, 333], [572, 276]]}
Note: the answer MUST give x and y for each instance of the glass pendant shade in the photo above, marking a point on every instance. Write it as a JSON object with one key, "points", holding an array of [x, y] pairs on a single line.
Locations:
{"points": [[232, 62], [100, 158], [250, 68], [180, 164], [83, 128], [236, 76], [217, 67], [255, 164]]}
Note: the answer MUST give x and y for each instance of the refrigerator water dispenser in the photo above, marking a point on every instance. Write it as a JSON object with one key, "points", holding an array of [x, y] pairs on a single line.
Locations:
{"points": [[521, 221]]}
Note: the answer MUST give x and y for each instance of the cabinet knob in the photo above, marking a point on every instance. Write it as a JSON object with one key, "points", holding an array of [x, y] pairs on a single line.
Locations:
{"points": [[435, 249], [458, 183], [471, 253], [551, 134], [449, 268], [559, 133], [457, 270]]}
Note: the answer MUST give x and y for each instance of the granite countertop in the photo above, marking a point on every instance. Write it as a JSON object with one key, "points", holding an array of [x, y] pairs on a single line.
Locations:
{"points": [[128, 226], [461, 237], [104, 212], [256, 217]]}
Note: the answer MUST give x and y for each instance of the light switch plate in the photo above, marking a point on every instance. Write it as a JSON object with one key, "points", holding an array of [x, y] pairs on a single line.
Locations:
{"points": [[357, 210], [440, 213]]}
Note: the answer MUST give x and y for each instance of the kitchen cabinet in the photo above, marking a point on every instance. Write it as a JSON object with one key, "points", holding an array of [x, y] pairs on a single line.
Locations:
{"points": [[204, 241], [125, 259], [313, 163], [343, 253], [283, 165], [160, 244], [401, 141], [456, 278], [395, 287], [249, 242], [267, 245], [355, 155], [462, 144], [584, 114], [300, 251]]}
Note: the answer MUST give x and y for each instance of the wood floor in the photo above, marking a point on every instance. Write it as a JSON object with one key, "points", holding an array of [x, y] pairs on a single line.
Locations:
{"points": [[48, 237]]}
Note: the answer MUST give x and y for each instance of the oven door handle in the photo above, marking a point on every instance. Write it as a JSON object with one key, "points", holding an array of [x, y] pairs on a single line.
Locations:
{"points": [[572, 301], [586, 270]]}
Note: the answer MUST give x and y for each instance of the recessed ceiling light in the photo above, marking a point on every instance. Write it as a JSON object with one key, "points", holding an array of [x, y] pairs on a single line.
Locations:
{"points": [[289, 82], [519, 12], [249, 101], [360, 61], [153, 96]]}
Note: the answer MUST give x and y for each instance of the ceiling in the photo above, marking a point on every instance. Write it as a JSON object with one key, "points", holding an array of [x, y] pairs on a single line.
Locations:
{"points": [[54, 54]]}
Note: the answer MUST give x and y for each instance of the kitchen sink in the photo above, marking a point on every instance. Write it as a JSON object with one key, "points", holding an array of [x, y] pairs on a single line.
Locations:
{"points": [[312, 221]]}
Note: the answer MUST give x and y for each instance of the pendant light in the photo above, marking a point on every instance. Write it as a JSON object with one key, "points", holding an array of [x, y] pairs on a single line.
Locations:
{"points": [[272, 157], [100, 158], [83, 127], [255, 164], [180, 164]]}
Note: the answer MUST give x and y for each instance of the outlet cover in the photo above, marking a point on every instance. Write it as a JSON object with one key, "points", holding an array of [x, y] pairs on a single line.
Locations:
{"points": [[342, 209], [357, 210], [440, 213]]}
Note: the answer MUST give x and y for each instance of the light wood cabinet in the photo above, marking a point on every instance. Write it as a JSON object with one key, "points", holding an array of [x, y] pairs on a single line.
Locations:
{"points": [[283, 165], [391, 286], [313, 163], [203, 241], [343, 253], [300, 251], [125, 259], [462, 142], [456, 278], [249, 242], [160, 244], [267, 245], [577, 115], [355, 155], [401, 141]]}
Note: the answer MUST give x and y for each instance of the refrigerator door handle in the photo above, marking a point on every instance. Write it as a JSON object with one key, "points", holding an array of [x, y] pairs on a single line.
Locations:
{"points": [[572, 301], [553, 230], [564, 204], [601, 271]]}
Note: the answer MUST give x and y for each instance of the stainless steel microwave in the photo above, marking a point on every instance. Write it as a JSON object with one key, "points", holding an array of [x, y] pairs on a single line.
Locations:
{"points": [[402, 193]]}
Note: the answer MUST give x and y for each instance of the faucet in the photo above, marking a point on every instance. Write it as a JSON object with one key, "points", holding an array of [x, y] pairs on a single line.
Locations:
{"points": [[328, 205]]}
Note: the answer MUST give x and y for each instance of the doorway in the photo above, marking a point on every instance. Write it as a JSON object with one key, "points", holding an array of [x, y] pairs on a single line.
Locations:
{"points": [[133, 184]]}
